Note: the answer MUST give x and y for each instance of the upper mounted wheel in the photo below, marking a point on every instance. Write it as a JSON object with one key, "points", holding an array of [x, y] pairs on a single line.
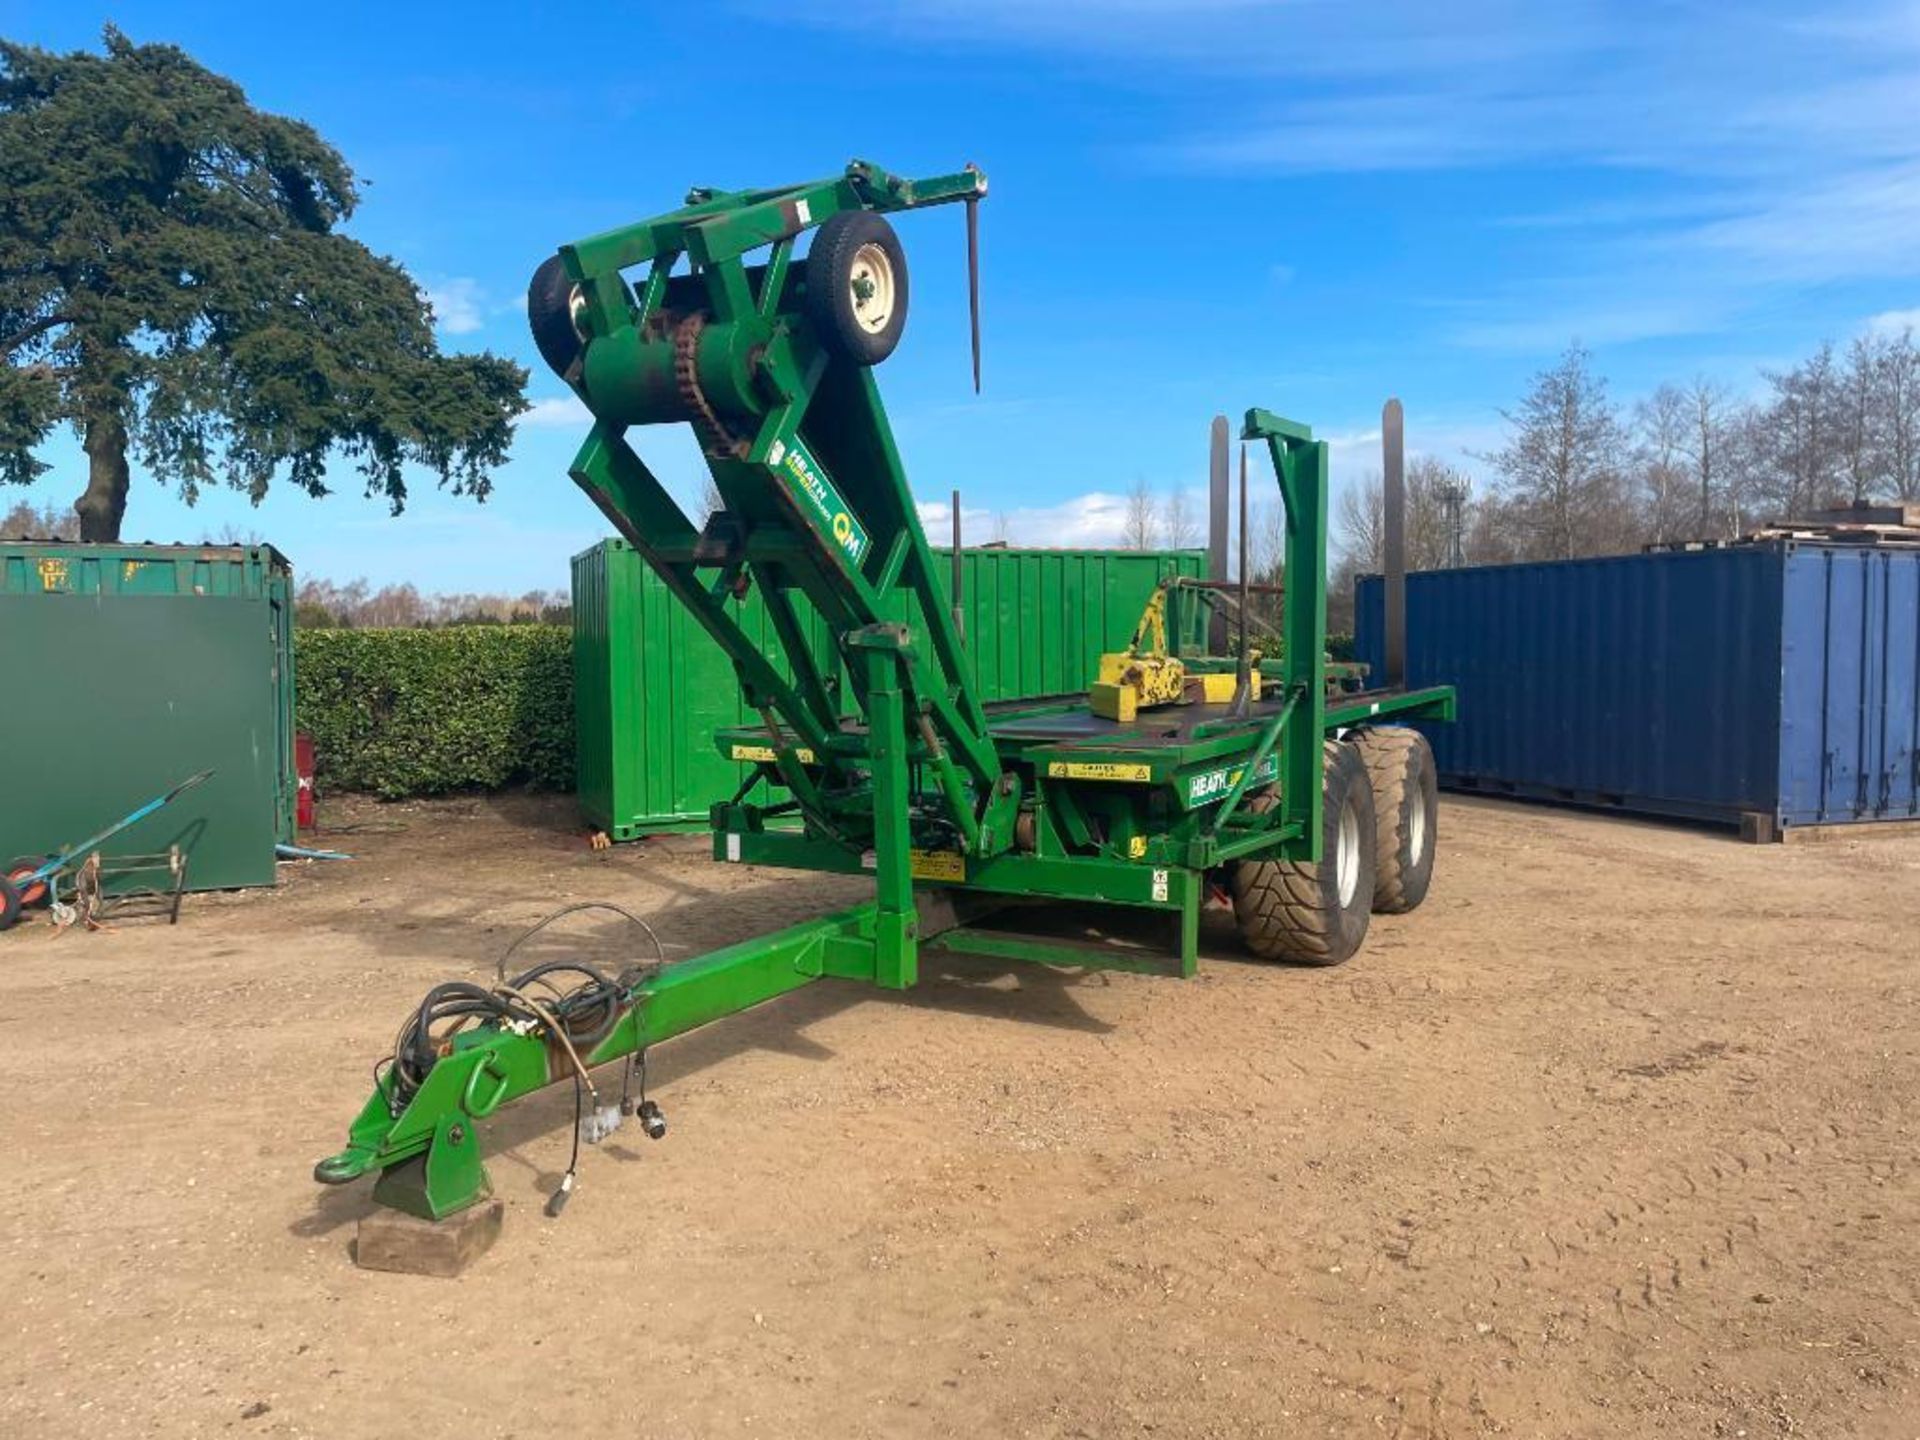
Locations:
{"points": [[553, 311], [856, 292]]}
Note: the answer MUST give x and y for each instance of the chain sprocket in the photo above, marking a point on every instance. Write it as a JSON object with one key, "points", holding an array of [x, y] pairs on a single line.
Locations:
{"points": [[715, 438]]}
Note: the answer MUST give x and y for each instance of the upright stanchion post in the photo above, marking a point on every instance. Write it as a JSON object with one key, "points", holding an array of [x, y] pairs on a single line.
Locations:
{"points": [[1393, 469], [1218, 501], [1243, 687]]}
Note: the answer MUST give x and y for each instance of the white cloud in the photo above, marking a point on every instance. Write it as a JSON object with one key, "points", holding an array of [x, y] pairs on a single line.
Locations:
{"points": [[1895, 322], [559, 412], [459, 308], [1093, 520], [1728, 162]]}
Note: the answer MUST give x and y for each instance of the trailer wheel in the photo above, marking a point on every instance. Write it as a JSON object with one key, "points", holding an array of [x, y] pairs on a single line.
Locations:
{"points": [[857, 286], [1406, 809], [553, 303], [9, 904], [1314, 913], [31, 892]]}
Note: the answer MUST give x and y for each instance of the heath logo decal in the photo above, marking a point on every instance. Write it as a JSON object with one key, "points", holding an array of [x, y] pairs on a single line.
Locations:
{"points": [[1214, 784], [804, 478]]}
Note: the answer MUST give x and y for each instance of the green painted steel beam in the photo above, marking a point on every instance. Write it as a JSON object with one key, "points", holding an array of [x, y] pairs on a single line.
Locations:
{"points": [[488, 1066]]}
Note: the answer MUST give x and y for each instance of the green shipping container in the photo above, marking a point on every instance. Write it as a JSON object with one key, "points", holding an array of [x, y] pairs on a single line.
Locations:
{"points": [[650, 687], [129, 668]]}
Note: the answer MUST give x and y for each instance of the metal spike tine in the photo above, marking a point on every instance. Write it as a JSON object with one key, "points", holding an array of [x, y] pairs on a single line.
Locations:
{"points": [[1393, 496], [973, 280]]}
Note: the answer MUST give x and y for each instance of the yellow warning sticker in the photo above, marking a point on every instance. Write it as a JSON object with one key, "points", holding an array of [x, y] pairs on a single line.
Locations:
{"points": [[764, 754], [1096, 770], [936, 865]]}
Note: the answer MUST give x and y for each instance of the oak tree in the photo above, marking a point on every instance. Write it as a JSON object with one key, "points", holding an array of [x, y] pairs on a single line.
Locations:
{"points": [[174, 285]]}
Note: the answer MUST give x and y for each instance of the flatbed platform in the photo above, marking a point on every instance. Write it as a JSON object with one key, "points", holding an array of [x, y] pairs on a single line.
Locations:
{"points": [[1071, 722]]}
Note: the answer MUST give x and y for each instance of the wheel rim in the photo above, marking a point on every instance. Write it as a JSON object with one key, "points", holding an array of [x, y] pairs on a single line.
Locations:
{"points": [[870, 281], [1346, 857], [1417, 832]]}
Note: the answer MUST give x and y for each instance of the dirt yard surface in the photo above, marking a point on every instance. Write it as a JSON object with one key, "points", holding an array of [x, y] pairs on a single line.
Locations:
{"points": [[1614, 1137]]}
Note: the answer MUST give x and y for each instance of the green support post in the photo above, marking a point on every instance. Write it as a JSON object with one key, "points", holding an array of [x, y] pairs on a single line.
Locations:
{"points": [[880, 651], [1300, 465]]}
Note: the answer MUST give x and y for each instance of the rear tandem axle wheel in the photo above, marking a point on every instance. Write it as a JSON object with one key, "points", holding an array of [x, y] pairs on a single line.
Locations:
{"points": [[1314, 912]]}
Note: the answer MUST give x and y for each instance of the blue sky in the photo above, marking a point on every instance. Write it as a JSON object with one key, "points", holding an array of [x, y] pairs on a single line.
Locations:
{"points": [[1195, 207]]}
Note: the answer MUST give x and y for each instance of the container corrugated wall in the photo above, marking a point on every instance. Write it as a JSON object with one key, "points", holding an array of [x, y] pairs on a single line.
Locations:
{"points": [[131, 667], [1850, 701], [1037, 621], [650, 688], [1769, 680]]}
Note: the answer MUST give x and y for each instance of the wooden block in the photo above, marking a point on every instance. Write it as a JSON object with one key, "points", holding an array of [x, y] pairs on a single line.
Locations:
{"points": [[1114, 702], [1757, 827], [1897, 828], [393, 1240]]}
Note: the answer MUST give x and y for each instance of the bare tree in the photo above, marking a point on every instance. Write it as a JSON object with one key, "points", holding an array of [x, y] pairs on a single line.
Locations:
{"points": [[1661, 426], [1002, 528], [321, 603], [1179, 527], [1561, 468], [710, 500], [1791, 439], [26, 521], [1857, 419], [393, 606], [1267, 555], [231, 534], [1136, 529], [1709, 417], [1898, 391], [1361, 515]]}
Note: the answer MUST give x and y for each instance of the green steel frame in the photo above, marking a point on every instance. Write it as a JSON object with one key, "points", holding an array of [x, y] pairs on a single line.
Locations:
{"points": [[955, 809]]}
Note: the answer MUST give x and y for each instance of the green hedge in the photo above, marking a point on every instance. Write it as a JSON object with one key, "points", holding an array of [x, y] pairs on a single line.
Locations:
{"points": [[398, 713]]}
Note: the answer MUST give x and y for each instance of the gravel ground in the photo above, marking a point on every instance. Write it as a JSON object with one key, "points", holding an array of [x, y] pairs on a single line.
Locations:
{"points": [[1614, 1137]]}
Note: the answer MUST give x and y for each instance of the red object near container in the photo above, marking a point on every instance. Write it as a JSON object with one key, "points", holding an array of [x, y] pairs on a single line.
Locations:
{"points": [[303, 769]]}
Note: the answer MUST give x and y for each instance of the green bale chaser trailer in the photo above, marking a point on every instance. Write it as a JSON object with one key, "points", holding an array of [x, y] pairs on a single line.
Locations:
{"points": [[1258, 779]]}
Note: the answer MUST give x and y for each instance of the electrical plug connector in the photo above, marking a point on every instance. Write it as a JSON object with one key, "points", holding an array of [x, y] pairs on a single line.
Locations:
{"points": [[600, 1122], [652, 1121]]}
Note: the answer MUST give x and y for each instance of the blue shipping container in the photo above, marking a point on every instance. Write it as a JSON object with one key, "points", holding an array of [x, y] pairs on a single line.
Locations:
{"points": [[1779, 682]]}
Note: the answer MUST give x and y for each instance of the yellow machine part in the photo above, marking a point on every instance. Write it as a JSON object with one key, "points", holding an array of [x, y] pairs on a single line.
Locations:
{"points": [[1218, 689], [1144, 675], [1114, 702]]}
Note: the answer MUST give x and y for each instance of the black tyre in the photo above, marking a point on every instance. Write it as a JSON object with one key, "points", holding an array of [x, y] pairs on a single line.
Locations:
{"points": [[1314, 913], [32, 893], [9, 904], [551, 301], [857, 286], [1406, 810]]}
